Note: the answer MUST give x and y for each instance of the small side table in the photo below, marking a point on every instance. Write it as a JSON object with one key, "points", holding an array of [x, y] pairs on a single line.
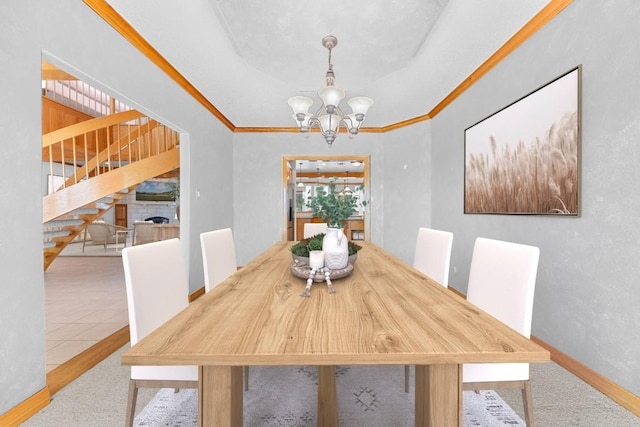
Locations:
{"points": [[126, 234]]}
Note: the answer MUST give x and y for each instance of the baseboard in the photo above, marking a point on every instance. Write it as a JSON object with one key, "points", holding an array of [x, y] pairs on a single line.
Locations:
{"points": [[78, 365], [196, 294], [25, 410], [65, 374], [620, 395]]}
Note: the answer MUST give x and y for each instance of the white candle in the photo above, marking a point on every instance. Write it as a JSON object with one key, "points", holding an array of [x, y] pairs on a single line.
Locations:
{"points": [[316, 259]]}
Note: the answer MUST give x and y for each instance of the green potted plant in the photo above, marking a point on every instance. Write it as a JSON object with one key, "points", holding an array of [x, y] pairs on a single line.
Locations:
{"points": [[299, 202], [334, 208]]}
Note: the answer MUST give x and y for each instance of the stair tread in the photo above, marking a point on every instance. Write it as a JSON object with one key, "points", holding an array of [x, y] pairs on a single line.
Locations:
{"points": [[63, 222], [56, 233]]}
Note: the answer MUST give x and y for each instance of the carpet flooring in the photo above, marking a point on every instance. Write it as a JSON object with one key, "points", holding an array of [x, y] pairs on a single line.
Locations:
{"points": [[99, 399]]}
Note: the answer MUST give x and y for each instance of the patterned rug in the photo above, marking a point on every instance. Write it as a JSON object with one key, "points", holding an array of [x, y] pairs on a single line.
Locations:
{"points": [[286, 396]]}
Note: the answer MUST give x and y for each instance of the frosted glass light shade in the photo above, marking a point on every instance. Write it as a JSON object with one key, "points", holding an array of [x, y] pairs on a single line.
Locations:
{"points": [[300, 104], [360, 104], [331, 95], [329, 122]]}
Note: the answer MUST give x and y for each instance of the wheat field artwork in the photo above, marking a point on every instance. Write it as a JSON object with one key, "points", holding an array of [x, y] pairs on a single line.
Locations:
{"points": [[525, 159]]}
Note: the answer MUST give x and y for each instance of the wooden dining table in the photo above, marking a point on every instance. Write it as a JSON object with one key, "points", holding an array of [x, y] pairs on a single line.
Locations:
{"points": [[384, 313]]}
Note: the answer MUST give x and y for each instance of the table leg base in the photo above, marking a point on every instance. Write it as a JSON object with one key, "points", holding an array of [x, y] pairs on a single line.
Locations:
{"points": [[438, 395], [327, 397], [220, 396]]}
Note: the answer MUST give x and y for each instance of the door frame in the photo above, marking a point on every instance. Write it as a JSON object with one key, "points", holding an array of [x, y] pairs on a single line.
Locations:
{"points": [[287, 158]]}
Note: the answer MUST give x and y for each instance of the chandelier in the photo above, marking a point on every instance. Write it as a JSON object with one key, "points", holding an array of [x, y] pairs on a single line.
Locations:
{"points": [[329, 118]]}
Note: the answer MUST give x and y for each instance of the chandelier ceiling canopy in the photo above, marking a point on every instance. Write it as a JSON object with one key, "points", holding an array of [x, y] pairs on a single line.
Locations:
{"points": [[329, 117]]}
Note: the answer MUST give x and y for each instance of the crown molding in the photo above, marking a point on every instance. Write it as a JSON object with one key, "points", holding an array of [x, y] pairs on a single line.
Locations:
{"points": [[106, 12]]}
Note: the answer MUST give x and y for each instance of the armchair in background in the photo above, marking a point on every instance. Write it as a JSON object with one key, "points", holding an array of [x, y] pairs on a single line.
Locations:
{"points": [[143, 232], [101, 233]]}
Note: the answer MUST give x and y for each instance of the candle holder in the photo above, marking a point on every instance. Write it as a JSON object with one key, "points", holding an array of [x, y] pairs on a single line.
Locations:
{"points": [[316, 259]]}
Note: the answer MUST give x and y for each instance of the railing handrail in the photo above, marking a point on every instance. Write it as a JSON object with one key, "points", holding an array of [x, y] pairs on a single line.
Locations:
{"points": [[89, 126]]}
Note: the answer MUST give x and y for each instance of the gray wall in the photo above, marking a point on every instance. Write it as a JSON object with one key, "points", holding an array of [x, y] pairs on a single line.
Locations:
{"points": [[587, 294], [587, 297], [75, 38], [407, 187]]}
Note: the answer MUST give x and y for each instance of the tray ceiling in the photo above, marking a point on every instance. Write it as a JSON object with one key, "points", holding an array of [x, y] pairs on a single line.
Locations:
{"points": [[247, 57]]}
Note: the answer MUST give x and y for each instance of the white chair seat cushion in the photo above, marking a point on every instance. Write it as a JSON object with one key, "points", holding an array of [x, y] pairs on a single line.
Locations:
{"points": [[493, 372], [163, 373]]}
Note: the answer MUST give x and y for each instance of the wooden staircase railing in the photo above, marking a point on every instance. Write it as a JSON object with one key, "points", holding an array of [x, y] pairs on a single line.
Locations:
{"points": [[102, 157]]}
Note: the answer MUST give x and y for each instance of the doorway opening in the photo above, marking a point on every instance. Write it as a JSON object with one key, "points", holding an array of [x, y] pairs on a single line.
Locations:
{"points": [[301, 174]]}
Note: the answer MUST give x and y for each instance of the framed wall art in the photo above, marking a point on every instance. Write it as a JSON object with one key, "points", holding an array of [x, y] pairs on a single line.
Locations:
{"points": [[525, 158], [157, 190]]}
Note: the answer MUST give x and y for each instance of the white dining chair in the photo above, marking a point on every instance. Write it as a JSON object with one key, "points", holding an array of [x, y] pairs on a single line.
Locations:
{"points": [[502, 282], [432, 256], [219, 260], [218, 256], [313, 228], [157, 289]]}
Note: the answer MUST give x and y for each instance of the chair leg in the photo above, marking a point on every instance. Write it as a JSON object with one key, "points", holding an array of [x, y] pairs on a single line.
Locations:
{"points": [[528, 403], [246, 378], [406, 378], [131, 403]]}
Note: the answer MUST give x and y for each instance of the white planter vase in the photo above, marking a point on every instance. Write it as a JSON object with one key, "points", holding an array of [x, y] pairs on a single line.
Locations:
{"points": [[336, 249]]}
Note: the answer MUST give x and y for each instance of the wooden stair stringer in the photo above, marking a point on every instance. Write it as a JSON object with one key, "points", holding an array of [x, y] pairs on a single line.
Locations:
{"points": [[68, 199]]}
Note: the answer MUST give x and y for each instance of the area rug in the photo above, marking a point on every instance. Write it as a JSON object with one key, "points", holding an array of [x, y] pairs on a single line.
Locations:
{"points": [[286, 396]]}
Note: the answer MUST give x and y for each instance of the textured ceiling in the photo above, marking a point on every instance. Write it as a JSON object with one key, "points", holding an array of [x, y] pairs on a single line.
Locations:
{"points": [[288, 44], [249, 56]]}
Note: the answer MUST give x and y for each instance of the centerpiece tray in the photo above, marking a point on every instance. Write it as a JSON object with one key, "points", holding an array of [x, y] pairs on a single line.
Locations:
{"points": [[303, 270]]}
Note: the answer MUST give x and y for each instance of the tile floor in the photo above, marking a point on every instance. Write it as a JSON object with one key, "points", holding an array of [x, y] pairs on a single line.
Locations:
{"points": [[86, 301]]}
